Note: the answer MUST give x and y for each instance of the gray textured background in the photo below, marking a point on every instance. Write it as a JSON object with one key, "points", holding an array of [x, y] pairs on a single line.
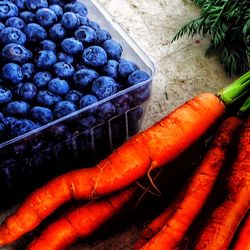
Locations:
{"points": [[182, 71]]}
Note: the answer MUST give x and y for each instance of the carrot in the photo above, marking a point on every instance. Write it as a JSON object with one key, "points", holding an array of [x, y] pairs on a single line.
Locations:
{"points": [[81, 222], [225, 218], [153, 148], [243, 238], [188, 205], [154, 227]]}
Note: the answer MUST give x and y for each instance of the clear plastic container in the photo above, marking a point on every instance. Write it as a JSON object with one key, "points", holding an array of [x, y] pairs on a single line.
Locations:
{"points": [[66, 144]]}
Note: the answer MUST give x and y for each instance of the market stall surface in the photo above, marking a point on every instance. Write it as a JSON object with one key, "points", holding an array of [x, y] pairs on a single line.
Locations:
{"points": [[182, 71]]}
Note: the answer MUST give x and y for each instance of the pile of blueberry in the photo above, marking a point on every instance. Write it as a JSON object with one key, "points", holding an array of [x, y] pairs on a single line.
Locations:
{"points": [[55, 61]]}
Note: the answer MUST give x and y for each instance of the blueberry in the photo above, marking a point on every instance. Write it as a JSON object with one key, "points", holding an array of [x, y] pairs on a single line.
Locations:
{"points": [[41, 79], [63, 57], [5, 96], [57, 32], [137, 77], [135, 114], [113, 49], [84, 21], [7, 9], [58, 86], [84, 77], [87, 122], [93, 25], [27, 16], [102, 35], [46, 98], [59, 2], [22, 126], [12, 72], [111, 69], [57, 9], [13, 52], [76, 7], [27, 91], [42, 115], [2, 26], [2, 129], [88, 100], [12, 35], [63, 69], [122, 103], [85, 34], [47, 45], [126, 68], [70, 21], [35, 32], [107, 110], [28, 70], [36, 4], [72, 46], [141, 95], [73, 96], [19, 3], [1, 117], [15, 22], [59, 131], [9, 121], [46, 59], [104, 87], [94, 56], [64, 108], [46, 17], [19, 108]]}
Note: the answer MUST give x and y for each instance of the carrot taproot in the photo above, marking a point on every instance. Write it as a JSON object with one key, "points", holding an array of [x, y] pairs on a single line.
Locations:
{"points": [[153, 148], [154, 227], [81, 222], [243, 238], [225, 218], [156, 146], [184, 210]]}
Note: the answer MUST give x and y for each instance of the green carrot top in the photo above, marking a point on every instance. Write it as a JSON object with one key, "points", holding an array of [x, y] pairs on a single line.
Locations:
{"points": [[236, 90]]}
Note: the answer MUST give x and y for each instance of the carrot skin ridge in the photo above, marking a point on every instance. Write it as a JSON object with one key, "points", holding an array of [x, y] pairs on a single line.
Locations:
{"points": [[243, 239], [80, 222], [225, 218], [158, 145], [190, 202]]}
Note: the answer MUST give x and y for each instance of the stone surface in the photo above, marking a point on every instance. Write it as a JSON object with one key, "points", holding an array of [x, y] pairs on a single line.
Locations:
{"points": [[182, 71]]}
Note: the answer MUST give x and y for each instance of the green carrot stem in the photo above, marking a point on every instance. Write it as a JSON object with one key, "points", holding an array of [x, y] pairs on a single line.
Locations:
{"points": [[236, 90], [245, 107]]}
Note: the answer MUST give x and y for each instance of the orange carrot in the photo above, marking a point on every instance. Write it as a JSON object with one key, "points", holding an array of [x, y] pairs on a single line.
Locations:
{"points": [[191, 201], [224, 220], [81, 222], [153, 148], [154, 227], [243, 238]]}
